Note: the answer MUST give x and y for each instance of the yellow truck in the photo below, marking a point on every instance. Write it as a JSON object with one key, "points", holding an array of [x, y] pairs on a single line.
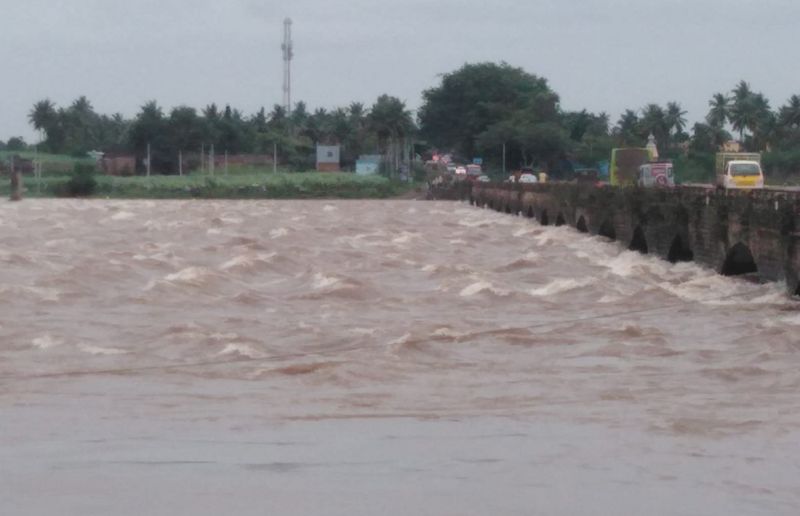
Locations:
{"points": [[739, 170]]}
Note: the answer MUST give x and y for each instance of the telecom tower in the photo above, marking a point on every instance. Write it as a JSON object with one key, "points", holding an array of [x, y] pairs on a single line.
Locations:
{"points": [[288, 54]]}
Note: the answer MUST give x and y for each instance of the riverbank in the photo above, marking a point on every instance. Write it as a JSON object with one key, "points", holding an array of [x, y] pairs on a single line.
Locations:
{"points": [[299, 185]]}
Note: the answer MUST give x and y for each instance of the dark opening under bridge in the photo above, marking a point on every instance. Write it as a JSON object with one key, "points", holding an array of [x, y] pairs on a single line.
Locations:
{"points": [[732, 231]]}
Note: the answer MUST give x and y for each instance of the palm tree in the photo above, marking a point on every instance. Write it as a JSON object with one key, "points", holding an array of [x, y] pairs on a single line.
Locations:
{"points": [[742, 114], [43, 115], [790, 113], [654, 121], [675, 120], [719, 112], [627, 127], [764, 123]]}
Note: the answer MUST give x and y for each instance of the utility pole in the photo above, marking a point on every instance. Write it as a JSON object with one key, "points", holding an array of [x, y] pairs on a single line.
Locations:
{"points": [[211, 160], [180, 163], [288, 55]]}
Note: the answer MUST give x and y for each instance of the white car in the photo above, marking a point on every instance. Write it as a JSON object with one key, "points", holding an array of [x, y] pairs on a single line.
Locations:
{"points": [[461, 171], [528, 178], [484, 179]]}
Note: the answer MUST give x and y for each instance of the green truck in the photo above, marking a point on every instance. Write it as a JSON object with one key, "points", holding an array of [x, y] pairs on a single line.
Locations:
{"points": [[625, 163]]}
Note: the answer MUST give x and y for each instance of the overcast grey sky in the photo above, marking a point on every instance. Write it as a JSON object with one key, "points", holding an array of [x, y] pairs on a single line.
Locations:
{"points": [[603, 55]]}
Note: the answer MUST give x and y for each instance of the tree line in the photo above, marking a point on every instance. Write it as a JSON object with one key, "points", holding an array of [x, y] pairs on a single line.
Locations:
{"points": [[79, 129], [500, 113], [481, 109]]}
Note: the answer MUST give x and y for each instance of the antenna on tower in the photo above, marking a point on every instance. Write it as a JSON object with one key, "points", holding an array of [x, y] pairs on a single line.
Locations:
{"points": [[288, 54]]}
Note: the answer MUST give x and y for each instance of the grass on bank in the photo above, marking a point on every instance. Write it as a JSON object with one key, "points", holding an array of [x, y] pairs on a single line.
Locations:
{"points": [[253, 185]]}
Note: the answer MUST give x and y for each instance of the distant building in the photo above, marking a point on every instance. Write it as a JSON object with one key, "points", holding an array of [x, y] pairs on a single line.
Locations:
{"points": [[732, 146], [328, 158]]}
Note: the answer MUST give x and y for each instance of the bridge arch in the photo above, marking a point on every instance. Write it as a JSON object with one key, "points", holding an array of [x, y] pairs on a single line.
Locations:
{"points": [[607, 230], [560, 221], [581, 225], [679, 251], [738, 261], [639, 241], [544, 220], [529, 213], [508, 209]]}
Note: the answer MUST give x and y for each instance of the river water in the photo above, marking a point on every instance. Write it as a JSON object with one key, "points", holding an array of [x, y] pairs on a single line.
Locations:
{"points": [[380, 357]]}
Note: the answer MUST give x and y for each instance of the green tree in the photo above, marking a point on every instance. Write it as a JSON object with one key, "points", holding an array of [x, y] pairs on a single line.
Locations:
{"points": [[719, 111], [627, 129], [44, 117], [16, 144], [149, 128], [675, 118], [184, 129], [475, 97], [391, 122], [708, 138], [789, 115]]}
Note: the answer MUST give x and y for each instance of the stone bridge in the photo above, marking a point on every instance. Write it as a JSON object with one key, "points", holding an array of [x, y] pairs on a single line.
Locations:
{"points": [[732, 231]]}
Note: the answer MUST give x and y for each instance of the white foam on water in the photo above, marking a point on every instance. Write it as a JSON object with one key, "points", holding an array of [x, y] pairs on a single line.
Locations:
{"points": [[123, 215], [46, 341], [447, 332], [481, 286], [190, 276], [278, 233], [97, 350], [237, 348], [399, 341], [561, 285], [246, 261], [322, 281], [528, 230], [405, 238], [329, 208]]}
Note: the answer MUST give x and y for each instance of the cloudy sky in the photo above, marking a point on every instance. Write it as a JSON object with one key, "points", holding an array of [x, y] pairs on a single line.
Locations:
{"points": [[603, 55]]}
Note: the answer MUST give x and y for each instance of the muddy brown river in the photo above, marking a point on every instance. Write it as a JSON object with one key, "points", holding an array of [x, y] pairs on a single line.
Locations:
{"points": [[380, 357]]}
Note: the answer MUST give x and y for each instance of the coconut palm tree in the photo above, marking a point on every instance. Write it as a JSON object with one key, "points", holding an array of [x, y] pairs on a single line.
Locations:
{"points": [[742, 110], [719, 112], [654, 121], [789, 117], [43, 115], [675, 120], [627, 127]]}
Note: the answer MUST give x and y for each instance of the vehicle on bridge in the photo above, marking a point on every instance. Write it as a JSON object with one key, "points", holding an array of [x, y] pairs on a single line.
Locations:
{"points": [[625, 163], [739, 170], [656, 173]]}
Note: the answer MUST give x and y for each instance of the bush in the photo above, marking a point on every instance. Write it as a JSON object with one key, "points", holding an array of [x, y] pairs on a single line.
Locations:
{"points": [[82, 181]]}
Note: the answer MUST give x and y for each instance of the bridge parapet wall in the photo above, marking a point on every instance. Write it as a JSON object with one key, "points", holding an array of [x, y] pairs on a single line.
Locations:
{"points": [[729, 231]]}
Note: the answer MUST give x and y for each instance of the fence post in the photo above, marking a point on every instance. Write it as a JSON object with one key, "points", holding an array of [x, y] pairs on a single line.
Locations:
{"points": [[16, 182]]}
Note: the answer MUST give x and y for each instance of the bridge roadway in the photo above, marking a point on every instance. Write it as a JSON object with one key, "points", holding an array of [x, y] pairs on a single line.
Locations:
{"points": [[735, 232]]}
